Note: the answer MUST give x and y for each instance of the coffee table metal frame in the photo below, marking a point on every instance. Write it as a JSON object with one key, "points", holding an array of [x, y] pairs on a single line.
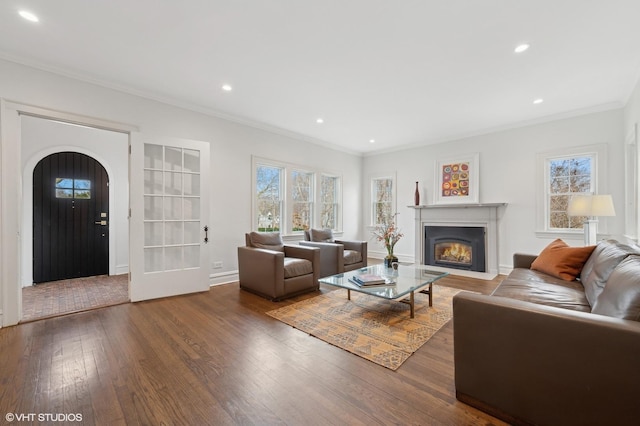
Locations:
{"points": [[407, 280]]}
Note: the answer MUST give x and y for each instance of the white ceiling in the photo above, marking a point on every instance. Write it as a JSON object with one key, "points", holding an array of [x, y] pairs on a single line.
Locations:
{"points": [[402, 72]]}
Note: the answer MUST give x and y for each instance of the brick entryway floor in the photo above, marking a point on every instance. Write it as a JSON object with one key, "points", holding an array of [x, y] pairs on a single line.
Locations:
{"points": [[67, 296]]}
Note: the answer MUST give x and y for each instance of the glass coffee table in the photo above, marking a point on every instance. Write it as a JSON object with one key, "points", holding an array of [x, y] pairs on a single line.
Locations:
{"points": [[403, 282]]}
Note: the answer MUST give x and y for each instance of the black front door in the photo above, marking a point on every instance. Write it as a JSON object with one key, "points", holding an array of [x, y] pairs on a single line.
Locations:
{"points": [[70, 218]]}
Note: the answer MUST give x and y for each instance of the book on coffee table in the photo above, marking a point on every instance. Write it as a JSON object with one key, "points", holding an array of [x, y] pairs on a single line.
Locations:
{"points": [[365, 280]]}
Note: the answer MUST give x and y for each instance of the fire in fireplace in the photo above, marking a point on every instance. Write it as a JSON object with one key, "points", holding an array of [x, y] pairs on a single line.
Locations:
{"points": [[453, 252], [460, 247]]}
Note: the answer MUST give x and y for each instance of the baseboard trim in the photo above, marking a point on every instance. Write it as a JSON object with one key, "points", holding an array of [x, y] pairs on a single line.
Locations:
{"points": [[223, 278]]}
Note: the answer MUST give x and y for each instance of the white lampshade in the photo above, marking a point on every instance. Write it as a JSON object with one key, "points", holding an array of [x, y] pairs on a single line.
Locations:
{"points": [[591, 205]]}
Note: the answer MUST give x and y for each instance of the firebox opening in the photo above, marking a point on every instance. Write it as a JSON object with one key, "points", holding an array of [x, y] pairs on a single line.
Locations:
{"points": [[459, 247]]}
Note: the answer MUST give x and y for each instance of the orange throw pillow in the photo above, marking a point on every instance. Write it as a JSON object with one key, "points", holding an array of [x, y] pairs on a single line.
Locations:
{"points": [[561, 261]]}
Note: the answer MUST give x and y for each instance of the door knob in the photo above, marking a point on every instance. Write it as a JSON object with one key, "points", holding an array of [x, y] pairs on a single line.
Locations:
{"points": [[102, 222]]}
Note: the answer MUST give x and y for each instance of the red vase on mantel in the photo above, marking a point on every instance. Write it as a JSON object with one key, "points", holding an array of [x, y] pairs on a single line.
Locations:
{"points": [[417, 196]]}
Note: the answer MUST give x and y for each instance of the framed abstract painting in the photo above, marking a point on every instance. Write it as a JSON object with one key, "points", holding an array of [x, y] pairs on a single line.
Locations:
{"points": [[457, 180]]}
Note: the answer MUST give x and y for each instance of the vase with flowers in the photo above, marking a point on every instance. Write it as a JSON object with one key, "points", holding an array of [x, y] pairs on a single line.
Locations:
{"points": [[389, 234]]}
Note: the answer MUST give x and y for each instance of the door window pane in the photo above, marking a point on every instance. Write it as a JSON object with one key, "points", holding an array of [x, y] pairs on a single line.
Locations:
{"points": [[73, 188], [172, 213], [152, 208], [191, 161], [153, 155]]}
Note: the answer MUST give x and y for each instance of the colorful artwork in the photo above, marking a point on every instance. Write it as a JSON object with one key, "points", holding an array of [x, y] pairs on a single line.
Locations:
{"points": [[455, 179]]}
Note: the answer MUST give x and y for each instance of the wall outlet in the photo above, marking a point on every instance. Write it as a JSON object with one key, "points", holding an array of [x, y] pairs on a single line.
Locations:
{"points": [[217, 265]]}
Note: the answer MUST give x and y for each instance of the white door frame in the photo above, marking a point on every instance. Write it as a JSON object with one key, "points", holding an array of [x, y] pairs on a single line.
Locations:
{"points": [[11, 196]]}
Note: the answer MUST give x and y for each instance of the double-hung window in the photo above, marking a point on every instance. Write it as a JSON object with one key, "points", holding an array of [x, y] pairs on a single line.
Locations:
{"points": [[568, 176], [269, 190], [562, 175], [329, 196], [302, 200], [382, 202]]}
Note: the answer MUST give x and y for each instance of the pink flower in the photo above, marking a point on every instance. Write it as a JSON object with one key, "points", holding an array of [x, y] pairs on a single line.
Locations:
{"points": [[389, 234]]}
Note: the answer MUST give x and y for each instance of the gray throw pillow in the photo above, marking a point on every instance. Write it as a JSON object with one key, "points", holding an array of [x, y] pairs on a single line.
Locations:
{"points": [[321, 235], [597, 269], [621, 296], [267, 240]]}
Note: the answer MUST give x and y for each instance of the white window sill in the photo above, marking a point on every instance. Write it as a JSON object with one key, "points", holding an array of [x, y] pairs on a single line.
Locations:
{"points": [[569, 235]]}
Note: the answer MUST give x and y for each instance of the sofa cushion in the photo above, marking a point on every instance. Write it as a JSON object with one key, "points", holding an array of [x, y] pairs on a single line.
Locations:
{"points": [[538, 287], [561, 261], [604, 259], [267, 240], [620, 298], [351, 257], [294, 267], [321, 235]]}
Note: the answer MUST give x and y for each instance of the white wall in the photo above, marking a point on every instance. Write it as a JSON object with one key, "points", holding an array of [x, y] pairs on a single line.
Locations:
{"points": [[632, 110], [232, 145], [507, 174], [40, 138]]}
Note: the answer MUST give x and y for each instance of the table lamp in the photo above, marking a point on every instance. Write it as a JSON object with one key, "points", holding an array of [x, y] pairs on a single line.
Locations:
{"points": [[591, 206]]}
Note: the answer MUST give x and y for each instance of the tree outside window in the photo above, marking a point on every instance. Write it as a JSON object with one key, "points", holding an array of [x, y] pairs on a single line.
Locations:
{"points": [[269, 197], [568, 176], [329, 202], [382, 199], [302, 198]]}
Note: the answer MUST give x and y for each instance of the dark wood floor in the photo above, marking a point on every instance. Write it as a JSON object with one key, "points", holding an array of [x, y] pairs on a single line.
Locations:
{"points": [[216, 358]]}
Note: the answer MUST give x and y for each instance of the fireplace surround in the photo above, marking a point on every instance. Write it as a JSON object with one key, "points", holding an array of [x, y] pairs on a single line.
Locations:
{"points": [[485, 216]]}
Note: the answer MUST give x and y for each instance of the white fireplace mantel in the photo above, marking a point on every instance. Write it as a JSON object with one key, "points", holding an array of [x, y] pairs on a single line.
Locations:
{"points": [[481, 215]]}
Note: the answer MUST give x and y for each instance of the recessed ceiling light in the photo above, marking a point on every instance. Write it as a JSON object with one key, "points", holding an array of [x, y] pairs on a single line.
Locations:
{"points": [[538, 101], [227, 87], [319, 121], [521, 48], [28, 16], [372, 141]]}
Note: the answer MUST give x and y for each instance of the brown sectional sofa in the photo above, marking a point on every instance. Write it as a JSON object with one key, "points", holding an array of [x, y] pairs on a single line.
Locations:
{"points": [[545, 351]]}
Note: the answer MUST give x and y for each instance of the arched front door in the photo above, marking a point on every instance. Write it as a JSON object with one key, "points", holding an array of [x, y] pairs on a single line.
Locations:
{"points": [[70, 218]]}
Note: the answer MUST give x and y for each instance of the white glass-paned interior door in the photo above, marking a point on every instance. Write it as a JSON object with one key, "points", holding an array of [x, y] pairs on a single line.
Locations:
{"points": [[169, 214]]}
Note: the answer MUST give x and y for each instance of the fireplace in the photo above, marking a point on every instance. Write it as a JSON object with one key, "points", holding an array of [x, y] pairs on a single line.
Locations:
{"points": [[458, 247]]}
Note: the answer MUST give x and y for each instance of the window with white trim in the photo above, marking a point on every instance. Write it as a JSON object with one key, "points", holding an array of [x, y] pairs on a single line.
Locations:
{"points": [[382, 205], [562, 174], [269, 180], [302, 200], [285, 198], [567, 176], [329, 196]]}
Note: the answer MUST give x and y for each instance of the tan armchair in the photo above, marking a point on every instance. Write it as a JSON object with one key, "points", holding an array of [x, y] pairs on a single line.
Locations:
{"points": [[336, 256], [273, 270]]}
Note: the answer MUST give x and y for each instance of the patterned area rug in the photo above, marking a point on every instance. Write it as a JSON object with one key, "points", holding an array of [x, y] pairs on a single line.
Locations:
{"points": [[375, 329]]}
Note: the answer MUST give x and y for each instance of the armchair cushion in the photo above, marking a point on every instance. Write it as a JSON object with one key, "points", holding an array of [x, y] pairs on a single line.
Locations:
{"points": [[294, 267], [352, 256], [266, 240], [320, 235]]}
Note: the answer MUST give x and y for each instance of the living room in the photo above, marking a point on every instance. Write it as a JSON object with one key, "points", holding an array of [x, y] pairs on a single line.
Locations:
{"points": [[509, 162]]}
